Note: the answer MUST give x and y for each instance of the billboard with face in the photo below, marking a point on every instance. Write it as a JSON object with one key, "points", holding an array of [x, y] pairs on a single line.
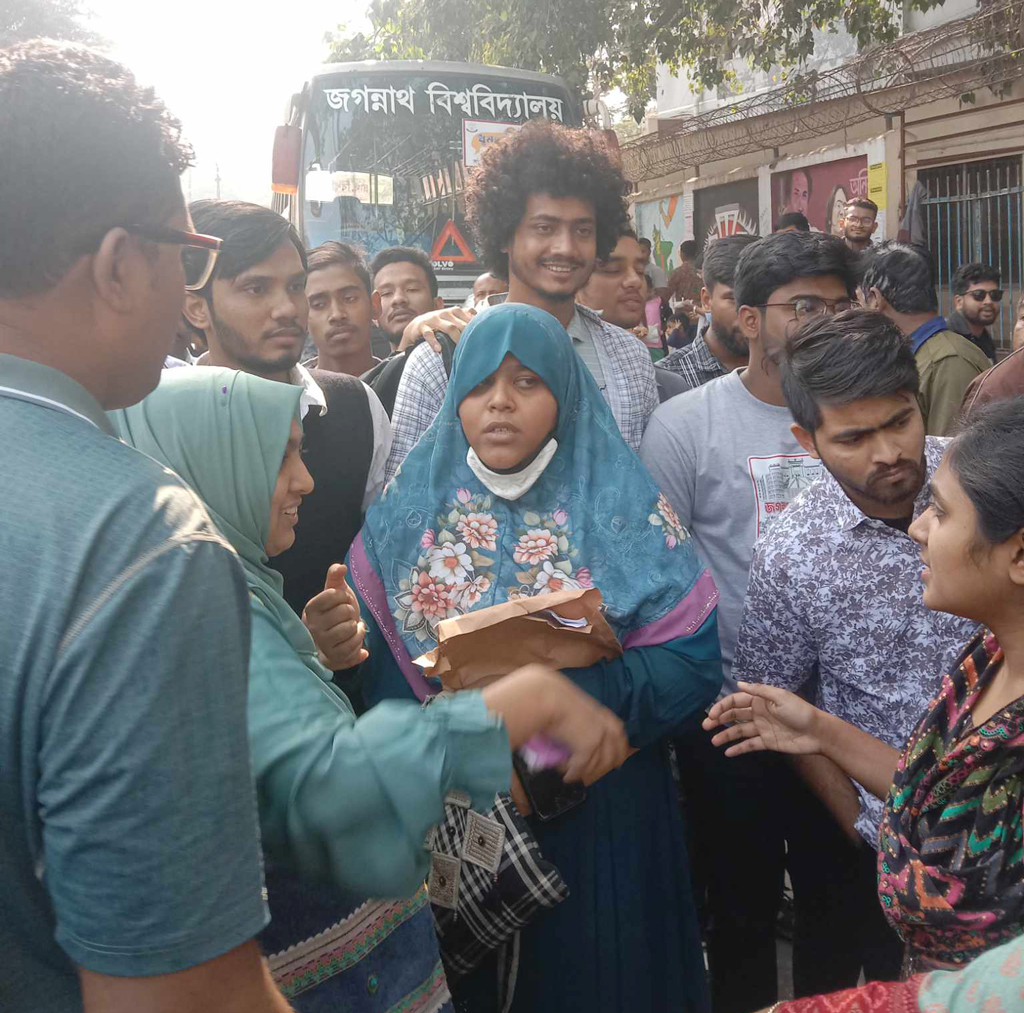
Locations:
{"points": [[820, 192], [720, 211]]}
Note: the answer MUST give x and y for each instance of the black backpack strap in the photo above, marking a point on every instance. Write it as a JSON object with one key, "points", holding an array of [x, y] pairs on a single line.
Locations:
{"points": [[447, 351]]}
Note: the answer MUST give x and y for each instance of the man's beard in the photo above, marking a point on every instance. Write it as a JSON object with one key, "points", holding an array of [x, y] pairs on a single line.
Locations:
{"points": [[875, 492], [975, 317], [233, 341], [732, 340], [517, 268]]}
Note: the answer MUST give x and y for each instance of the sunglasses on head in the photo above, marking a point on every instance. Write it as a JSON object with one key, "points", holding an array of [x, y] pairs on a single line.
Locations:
{"points": [[980, 294]]}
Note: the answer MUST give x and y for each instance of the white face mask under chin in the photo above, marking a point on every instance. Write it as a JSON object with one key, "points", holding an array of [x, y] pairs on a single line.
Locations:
{"points": [[515, 484]]}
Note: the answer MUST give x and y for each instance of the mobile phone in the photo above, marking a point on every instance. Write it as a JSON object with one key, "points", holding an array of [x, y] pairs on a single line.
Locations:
{"points": [[549, 795]]}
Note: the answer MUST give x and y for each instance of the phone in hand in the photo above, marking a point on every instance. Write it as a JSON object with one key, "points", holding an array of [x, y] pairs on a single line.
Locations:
{"points": [[548, 793]]}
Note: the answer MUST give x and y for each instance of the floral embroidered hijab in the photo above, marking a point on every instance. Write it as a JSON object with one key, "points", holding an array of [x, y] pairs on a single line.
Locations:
{"points": [[441, 544]]}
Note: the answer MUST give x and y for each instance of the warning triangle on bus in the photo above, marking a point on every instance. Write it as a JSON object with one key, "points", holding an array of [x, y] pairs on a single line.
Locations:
{"points": [[450, 234]]}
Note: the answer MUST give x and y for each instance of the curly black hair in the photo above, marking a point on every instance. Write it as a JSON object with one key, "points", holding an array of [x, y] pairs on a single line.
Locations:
{"points": [[543, 157], [85, 148]]}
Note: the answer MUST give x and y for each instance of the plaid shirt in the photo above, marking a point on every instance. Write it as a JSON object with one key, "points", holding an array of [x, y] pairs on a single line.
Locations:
{"points": [[629, 387], [694, 363]]}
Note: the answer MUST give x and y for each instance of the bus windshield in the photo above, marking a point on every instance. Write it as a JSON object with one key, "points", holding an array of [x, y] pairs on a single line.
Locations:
{"points": [[386, 155]]}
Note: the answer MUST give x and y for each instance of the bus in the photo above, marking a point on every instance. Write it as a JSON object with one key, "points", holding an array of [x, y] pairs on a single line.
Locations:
{"points": [[377, 154]]}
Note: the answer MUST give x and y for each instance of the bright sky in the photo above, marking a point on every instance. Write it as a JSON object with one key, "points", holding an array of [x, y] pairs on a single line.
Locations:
{"points": [[226, 69]]}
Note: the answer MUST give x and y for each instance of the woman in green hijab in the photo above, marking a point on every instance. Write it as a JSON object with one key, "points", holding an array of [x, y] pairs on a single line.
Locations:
{"points": [[345, 804]]}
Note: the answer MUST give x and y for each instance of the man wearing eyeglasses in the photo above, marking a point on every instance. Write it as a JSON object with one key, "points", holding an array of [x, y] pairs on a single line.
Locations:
{"points": [[900, 282], [860, 220], [129, 845], [977, 299], [726, 457]]}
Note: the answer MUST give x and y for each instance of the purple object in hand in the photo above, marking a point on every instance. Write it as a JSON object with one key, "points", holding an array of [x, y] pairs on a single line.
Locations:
{"points": [[540, 753]]}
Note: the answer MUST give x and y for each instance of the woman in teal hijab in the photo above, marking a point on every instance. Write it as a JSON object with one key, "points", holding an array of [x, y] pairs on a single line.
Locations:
{"points": [[523, 485], [344, 804]]}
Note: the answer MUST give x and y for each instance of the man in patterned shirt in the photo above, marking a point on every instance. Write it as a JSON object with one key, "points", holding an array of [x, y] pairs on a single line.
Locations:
{"points": [[834, 604], [722, 347], [546, 203], [725, 456]]}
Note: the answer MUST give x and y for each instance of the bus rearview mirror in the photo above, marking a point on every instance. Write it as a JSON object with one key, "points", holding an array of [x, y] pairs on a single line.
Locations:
{"points": [[285, 168]]}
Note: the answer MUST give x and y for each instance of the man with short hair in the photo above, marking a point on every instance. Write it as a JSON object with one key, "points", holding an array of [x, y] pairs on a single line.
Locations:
{"points": [[859, 224], [616, 287], [722, 346], [616, 291], [546, 204], [487, 284], [404, 287], [254, 312], [685, 282], [900, 282], [976, 303], [725, 456], [340, 309], [659, 276], [793, 221], [834, 606], [129, 845]]}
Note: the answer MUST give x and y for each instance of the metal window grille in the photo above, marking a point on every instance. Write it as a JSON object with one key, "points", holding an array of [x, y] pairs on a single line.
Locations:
{"points": [[973, 213]]}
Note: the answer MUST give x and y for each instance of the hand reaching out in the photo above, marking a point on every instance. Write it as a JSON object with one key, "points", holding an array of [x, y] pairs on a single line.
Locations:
{"points": [[451, 322], [332, 617], [765, 718]]}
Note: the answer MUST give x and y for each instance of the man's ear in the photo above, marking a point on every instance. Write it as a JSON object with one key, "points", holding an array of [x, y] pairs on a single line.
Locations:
{"points": [[377, 305], [116, 270], [874, 228], [705, 300], [806, 440], [958, 302], [749, 319], [438, 302], [874, 300], [197, 311]]}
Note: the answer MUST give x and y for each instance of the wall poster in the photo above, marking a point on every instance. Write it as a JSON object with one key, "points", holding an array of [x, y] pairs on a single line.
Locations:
{"points": [[720, 211], [820, 191]]}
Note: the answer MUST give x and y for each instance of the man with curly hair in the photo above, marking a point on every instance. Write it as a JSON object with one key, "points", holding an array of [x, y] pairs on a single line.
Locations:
{"points": [[129, 847], [545, 204]]}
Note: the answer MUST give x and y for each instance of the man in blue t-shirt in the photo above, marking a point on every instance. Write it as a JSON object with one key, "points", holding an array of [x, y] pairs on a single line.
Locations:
{"points": [[129, 848]]}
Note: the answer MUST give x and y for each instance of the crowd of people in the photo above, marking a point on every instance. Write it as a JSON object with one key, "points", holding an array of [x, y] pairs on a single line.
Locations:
{"points": [[245, 483]]}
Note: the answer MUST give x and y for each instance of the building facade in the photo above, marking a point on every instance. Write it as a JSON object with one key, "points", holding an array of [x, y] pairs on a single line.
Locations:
{"points": [[930, 127]]}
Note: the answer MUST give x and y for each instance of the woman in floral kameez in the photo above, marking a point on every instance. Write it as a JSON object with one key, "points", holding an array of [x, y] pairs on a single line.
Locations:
{"points": [[523, 485]]}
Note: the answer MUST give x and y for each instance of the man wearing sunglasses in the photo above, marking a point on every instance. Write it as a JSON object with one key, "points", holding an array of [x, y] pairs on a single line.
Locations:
{"points": [[977, 301], [129, 846], [900, 282], [726, 457]]}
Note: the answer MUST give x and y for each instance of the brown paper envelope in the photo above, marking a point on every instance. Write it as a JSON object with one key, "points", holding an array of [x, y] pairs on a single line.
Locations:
{"points": [[485, 645]]}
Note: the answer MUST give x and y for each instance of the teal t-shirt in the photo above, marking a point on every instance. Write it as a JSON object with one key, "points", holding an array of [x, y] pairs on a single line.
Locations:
{"points": [[128, 826]]}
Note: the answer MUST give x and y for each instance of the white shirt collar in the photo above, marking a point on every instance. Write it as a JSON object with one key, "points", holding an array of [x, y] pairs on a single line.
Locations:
{"points": [[512, 487], [312, 394]]}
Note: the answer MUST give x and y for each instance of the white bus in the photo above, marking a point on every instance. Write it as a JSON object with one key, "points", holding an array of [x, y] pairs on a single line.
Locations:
{"points": [[377, 154]]}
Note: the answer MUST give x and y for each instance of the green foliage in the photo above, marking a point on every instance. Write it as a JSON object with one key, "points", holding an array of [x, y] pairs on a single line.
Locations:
{"points": [[52, 19], [596, 45]]}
